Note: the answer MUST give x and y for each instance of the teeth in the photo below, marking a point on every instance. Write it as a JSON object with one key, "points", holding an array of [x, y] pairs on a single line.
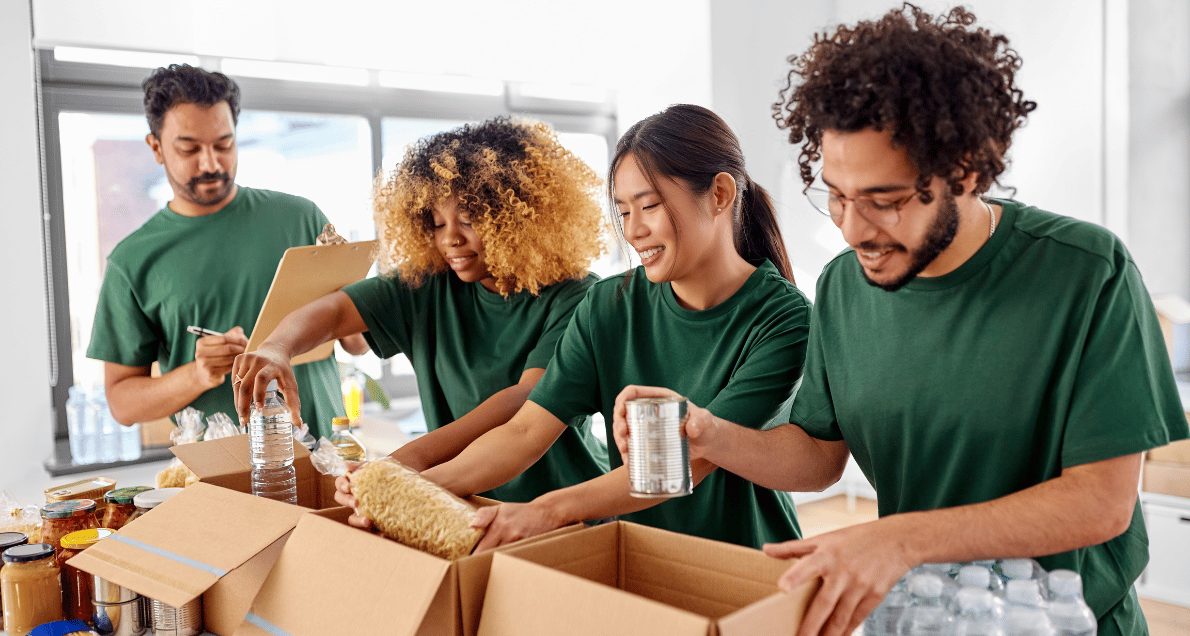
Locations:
{"points": [[649, 253], [874, 254]]}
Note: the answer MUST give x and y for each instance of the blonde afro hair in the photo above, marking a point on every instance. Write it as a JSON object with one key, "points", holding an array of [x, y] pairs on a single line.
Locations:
{"points": [[532, 202]]}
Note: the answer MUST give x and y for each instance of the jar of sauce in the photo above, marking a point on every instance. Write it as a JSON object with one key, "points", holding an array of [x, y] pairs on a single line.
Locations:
{"points": [[9, 540], [31, 588], [150, 499], [60, 518], [120, 508], [76, 584]]}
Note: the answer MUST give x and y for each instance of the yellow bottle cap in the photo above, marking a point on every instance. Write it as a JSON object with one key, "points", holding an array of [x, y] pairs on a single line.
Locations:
{"points": [[85, 538], [340, 421]]}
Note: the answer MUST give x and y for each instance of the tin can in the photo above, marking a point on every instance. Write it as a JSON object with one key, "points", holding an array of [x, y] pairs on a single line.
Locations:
{"points": [[177, 621], [94, 489], [658, 455]]}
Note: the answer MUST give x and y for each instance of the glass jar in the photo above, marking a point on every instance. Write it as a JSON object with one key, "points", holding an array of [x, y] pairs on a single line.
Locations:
{"points": [[8, 540], [60, 518], [76, 584], [120, 508], [31, 587], [150, 499]]}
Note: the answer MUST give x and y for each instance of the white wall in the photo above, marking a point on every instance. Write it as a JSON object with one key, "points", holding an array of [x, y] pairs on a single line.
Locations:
{"points": [[24, 383]]}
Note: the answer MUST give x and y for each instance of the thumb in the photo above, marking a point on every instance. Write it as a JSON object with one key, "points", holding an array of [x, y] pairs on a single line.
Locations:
{"points": [[485, 516], [789, 549]]}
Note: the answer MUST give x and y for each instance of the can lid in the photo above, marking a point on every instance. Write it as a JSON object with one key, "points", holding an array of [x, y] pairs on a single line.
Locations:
{"points": [[340, 422], [67, 509], [152, 498], [664, 408], [85, 538], [125, 495], [10, 539], [28, 552]]}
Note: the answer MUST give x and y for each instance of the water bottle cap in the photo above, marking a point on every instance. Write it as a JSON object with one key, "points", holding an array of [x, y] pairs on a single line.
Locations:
{"points": [[975, 576], [1023, 592], [1065, 583], [972, 599], [925, 586], [1017, 568]]}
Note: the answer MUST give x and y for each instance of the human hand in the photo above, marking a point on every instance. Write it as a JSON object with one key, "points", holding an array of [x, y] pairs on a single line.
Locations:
{"points": [[701, 428], [508, 522], [251, 374], [345, 497], [214, 356]]}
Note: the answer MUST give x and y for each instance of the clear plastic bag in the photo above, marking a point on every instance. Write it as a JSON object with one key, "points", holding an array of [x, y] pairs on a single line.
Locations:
{"points": [[326, 459], [220, 426], [15, 517], [188, 426]]}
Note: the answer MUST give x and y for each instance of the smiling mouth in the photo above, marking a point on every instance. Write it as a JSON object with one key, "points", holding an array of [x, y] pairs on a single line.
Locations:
{"points": [[459, 261], [651, 255]]}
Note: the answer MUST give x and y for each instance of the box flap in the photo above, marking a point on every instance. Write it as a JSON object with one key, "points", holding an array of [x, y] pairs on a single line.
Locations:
{"points": [[225, 462], [528, 599], [709, 578], [181, 548], [590, 553], [780, 613], [375, 585]]}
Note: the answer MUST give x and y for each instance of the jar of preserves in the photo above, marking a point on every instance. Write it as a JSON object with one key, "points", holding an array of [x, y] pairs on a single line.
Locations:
{"points": [[9, 540], [60, 518], [120, 508], [76, 584], [31, 588], [150, 499]]}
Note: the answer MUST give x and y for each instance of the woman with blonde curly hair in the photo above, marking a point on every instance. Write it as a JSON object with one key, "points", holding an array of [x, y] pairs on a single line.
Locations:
{"points": [[712, 312], [486, 233]]}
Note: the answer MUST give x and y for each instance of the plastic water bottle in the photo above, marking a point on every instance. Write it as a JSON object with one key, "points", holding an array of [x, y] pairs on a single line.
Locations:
{"points": [[980, 577], [979, 613], [1020, 620], [946, 572], [130, 447], [883, 620], [78, 416], [270, 438], [108, 432], [1068, 611], [1012, 569], [926, 614], [1024, 593]]}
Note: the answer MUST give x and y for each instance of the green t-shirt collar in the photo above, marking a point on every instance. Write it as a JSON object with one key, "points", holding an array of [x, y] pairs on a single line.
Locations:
{"points": [[235, 203], [671, 300], [978, 260]]}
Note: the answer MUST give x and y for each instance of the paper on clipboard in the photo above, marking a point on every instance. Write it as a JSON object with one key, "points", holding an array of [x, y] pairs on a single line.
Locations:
{"points": [[306, 274]]}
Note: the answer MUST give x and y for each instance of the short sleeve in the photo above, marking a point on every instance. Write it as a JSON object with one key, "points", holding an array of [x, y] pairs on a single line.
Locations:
{"points": [[386, 305], [122, 333], [570, 386], [1125, 399], [319, 220], [561, 309], [813, 408], [769, 372]]}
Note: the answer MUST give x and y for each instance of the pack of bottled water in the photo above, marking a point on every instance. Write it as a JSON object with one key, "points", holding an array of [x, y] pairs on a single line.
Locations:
{"points": [[95, 436], [1009, 597]]}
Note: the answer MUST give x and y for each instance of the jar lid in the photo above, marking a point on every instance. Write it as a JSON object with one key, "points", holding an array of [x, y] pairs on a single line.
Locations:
{"points": [[125, 495], [10, 539], [340, 421], [85, 538], [150, 499], [29, 552], [67, 509]]}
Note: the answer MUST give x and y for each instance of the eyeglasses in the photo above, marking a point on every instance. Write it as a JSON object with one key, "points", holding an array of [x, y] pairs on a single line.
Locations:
{"points": [[883, 213]]}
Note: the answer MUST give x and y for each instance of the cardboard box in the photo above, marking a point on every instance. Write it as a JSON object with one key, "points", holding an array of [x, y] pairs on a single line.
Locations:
{"points": [[1175, 453], [207, 541], [374, 585], [1167, 479], [623, 578], [225, 462]]}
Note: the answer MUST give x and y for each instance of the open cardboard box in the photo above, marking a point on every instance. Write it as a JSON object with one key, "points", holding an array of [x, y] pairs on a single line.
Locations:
{"points": [[623, 578], [368, 584], [225, 462], [207, 541], [1167, 478]]}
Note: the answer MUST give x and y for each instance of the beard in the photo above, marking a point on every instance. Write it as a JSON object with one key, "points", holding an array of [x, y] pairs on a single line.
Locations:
{"points": [[189, 189], [939, 237]]}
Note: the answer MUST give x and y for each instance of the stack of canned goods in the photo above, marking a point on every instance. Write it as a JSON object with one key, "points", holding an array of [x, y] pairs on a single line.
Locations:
{"points": [[121, 612], [658, 454]]}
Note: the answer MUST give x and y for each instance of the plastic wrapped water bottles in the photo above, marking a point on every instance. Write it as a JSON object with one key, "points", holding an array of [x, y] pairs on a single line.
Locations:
{"points": [[979, 613], [95, 435], [927, 613], [270, 437], [884, 619], [1068, 611]]}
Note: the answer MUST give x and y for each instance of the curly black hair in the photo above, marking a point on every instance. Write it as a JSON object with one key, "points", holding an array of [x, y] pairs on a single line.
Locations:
{"points": [[185, 84], [945, 90]]}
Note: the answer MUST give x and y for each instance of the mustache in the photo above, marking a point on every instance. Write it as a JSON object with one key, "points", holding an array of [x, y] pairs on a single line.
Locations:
{"points": [[208, 177], [869, 245]]}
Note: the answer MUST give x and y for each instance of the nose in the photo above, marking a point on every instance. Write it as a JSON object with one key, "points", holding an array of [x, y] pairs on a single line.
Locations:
{"points": [[856, 229], [208, 161], [450, 236], [634, 228]]}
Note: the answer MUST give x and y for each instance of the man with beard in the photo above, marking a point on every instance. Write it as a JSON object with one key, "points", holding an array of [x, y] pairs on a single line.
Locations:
{"points": [[206, 259], [995, 369]]}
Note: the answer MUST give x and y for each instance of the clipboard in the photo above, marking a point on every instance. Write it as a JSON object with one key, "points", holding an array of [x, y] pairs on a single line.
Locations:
{"points": [[304, 275]]}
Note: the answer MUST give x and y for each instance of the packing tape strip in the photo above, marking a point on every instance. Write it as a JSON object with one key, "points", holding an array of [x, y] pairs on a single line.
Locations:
{"points": [[172, 556], [264, 624]]}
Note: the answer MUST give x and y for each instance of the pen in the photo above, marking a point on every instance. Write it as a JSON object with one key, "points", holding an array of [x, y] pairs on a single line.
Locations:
{"points": [[202, 331]]}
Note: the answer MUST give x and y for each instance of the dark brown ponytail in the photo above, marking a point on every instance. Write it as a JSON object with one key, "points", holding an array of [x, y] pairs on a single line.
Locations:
{"points": [[693, 144]]}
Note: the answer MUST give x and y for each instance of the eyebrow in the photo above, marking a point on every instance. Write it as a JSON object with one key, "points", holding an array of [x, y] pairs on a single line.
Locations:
{"points": [[638, 196], [195, 140], [879, 189]]}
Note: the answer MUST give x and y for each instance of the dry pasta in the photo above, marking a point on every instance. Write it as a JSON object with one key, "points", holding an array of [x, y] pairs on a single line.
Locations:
{"points": [[410, 509]]}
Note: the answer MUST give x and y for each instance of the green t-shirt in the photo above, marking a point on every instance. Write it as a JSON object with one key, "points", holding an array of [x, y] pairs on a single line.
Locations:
{"points": [[739, 359], [211, 271], [1041, 352], [467, 343]]}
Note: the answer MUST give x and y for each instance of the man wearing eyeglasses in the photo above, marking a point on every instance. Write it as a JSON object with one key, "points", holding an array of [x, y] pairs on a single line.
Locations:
{"points": [[996, 370]]}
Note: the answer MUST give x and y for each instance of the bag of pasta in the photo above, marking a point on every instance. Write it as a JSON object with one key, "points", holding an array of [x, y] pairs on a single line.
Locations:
{"points": [[408, 508]]}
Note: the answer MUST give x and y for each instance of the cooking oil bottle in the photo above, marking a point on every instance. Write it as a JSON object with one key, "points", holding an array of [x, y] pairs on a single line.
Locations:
{"points": [[347, 445]]}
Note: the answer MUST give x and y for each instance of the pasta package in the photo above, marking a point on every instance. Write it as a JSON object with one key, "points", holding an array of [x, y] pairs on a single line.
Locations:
{"points": [[412, 510], [176, 475]]}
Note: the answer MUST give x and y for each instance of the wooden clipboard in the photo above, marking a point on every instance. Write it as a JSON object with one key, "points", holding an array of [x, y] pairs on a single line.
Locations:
{"points": [[304, 275]]}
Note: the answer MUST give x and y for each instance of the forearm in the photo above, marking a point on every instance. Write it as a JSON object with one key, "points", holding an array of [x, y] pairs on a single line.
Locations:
{"points": [[605, 496], [331, 317], [144, 398], [803, 463], [500, 454], [1074, 510], [446, 442]]}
